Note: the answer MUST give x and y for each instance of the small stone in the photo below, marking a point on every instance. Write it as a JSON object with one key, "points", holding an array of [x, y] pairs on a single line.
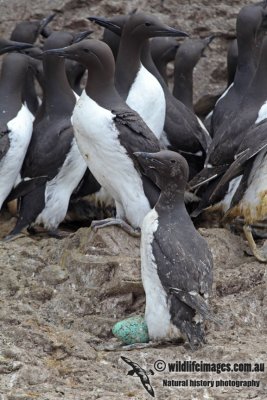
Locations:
{"points": [[54, 275]]}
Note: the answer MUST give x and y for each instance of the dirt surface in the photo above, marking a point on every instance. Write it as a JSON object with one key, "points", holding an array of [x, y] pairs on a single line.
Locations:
{"points": [[60, 298]]}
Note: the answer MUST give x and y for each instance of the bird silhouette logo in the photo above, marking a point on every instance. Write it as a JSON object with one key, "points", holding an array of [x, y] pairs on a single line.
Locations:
{"points": [[141, 373]]}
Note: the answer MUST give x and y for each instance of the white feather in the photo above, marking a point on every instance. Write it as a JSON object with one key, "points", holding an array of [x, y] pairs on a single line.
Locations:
{"points": [[233, 185], [157, 313], [262, 114], [257, 186], [146, 97], [19, 136], [224, 94], [60, 188], [98, 141]]}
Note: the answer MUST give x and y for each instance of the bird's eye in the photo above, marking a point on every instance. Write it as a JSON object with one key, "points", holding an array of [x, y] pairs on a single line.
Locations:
{"points": [[173, 161], [148, 24], [86, 50]]}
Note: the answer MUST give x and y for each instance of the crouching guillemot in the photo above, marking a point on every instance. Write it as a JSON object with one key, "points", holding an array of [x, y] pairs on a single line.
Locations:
{"points": [[176, 263], [108, 132]]}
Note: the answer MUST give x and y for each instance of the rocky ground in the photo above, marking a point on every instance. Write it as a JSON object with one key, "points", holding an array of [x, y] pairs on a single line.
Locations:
{"points": [[60, 298]]}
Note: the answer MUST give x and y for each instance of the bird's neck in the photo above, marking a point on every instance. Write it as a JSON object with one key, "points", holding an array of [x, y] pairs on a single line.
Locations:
{"points": [[183, 82], [57, 90], [171, 197], [103, 92], [127, 64]]}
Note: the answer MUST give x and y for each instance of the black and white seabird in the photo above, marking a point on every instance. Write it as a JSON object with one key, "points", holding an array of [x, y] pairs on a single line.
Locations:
{"points": [[187, 56], [108, 132], [183, 131], [250, 25], [53, 152], [163, 50], [27, 32], [252, 110], [16, 121], [135, 84], [248, 174], [176, 263]]}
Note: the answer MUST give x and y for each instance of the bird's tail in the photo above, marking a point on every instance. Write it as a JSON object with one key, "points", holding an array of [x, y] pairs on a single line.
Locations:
{"points": [[195, 301]]}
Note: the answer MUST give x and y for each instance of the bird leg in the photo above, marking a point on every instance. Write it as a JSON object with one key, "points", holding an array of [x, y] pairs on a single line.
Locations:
{"points": [[116, 221], [55, 233], [13, 236], [260, 254], [128, 347]]}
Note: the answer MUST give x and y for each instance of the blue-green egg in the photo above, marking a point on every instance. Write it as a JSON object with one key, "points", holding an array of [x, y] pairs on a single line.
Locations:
{"points": [[131, 330]]}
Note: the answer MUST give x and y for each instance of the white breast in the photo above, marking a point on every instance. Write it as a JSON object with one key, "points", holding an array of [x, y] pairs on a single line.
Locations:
{"points": [[97, 139], [262, 114], [157, 313], [146, 97], [233, 185], [59, 189], [20, 135]]}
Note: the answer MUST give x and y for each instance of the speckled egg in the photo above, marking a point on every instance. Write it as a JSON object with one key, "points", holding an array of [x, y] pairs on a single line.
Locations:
{"points": [[131, 330]]}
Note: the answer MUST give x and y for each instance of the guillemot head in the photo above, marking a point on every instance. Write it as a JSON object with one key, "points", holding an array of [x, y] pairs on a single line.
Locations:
{"points": [[92, 53], [164, 48], [28, 31], [7, 46], [138, 24], [61, 39], [164, 167]]}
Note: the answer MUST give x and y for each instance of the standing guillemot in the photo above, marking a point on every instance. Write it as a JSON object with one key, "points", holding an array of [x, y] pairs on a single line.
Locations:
{"points": [[187, 56], [53, 151], [176, 264], [135, 84], [250, 25], [108, 132], [27, 32], [15, 121], [163, 50], [249, 174], [182, 129]]}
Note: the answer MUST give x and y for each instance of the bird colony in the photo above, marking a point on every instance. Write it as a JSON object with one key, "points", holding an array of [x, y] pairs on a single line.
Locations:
{"points": [[97, 121]]}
